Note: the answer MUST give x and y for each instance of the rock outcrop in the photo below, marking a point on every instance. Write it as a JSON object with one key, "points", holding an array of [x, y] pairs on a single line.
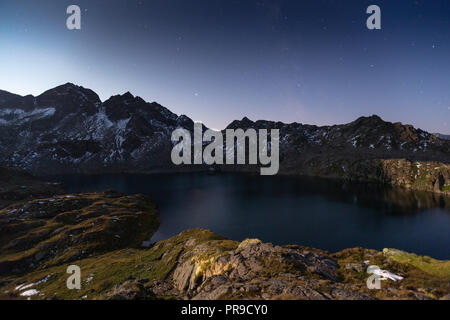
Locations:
{"points": [[201, 265], [415, 175]]}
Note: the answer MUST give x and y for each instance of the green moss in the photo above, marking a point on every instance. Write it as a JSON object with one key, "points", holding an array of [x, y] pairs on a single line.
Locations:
{"points": [[117, 266], [70, 229], [429, 265]]}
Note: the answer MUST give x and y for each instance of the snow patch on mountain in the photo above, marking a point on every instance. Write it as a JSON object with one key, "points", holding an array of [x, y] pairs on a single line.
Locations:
{"points": [[19, 116]]}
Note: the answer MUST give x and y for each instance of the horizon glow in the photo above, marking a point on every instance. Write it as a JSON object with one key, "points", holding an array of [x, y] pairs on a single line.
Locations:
{"points": [[217, 61]]}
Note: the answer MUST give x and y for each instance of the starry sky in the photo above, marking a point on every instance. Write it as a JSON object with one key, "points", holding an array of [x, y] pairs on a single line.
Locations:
{"points": [[308, 61]]}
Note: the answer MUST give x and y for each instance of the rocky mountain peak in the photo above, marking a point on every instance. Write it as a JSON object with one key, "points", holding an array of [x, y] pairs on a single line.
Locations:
{"points": [[69, 98], [244, 123], [368, 121], [14, 101], [70, 89], [127, 96], [122, 106]]}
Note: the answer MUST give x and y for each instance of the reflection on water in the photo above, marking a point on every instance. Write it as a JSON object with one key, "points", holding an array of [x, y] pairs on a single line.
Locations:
{"points": [[328, 214], [391, 200]]}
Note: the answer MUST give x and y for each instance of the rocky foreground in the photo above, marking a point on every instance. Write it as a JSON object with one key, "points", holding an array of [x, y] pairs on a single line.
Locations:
{"points": [[103, 234]]}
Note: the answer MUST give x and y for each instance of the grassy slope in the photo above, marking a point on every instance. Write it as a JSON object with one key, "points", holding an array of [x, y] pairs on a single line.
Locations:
{"points": [[429, 265], [114, 267], [103, 272]]}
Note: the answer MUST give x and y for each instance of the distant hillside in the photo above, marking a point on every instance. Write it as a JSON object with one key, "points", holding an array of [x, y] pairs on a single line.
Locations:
{"points": [[442, 136]]}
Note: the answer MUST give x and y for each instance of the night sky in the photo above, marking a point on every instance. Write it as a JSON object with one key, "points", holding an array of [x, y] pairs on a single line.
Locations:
{"points": [[295, 61]]}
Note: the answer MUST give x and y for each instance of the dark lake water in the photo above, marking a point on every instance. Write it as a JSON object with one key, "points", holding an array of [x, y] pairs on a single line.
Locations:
{"points": [[320, 213]]}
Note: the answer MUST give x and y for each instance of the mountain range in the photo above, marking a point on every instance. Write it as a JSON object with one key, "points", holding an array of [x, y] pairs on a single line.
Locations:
{"points": [[68, 129], [442, 136]]}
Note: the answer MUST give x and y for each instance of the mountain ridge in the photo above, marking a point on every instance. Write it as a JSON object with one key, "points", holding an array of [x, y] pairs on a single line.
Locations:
{"points": [[68, 129], [129, 95]]}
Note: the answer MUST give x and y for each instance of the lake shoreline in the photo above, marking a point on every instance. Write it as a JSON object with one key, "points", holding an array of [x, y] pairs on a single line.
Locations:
{"points": [[425, 176], [325, 213], [103, 232]]}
